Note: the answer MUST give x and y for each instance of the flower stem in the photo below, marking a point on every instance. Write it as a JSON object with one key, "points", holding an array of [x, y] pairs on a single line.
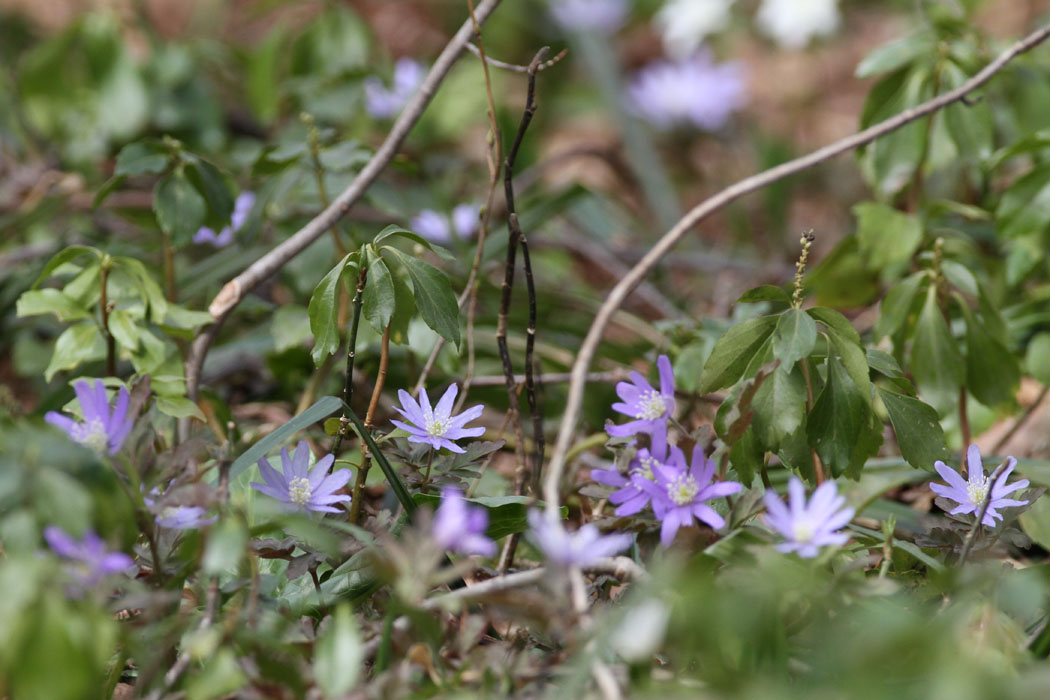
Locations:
{"points": [[366, 455], [111, 343], [351, 351], [426, 476], [818, 468]]}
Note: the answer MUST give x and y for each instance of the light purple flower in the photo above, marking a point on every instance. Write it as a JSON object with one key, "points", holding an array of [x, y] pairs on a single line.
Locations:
{"points": [[632, 496], [465, 219], [970, 495], [242, 206], [678, 493], [581, 548], [385, 103], [650, 408], [601, 16], [177, 517], [90, 560], [694, 91], [435, 226], [301, 487], [436, 426], [101, 430], [460, 527], [807, 528]]}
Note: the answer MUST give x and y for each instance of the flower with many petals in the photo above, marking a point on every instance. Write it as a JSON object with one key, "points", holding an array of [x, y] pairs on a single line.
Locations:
{"points": [[631, 496], [581, 548], [102, 431], [679, 493], [971, 494], [435, 226], [695, 91], [90, 560], [436, 426], [793, 23], [460, 527], [242, 206], [300, 487], [808, 527], [649, 407], [384, 102]]}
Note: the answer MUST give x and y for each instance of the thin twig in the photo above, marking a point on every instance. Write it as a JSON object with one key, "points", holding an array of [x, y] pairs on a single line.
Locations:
{"points": [[479, 51], [616, 297], [1021, 420], [373, 404], [351, 354], [262, 269], [556, 378]]}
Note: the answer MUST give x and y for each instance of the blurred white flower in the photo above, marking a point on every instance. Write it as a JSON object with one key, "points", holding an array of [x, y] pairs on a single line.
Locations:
{"points": [[602, 16], [793, 23], [641, 632], [684, 24]]}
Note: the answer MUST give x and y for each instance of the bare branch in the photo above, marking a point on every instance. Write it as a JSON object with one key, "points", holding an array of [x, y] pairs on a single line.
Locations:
{"points": [[616, 297], [517, 68]]}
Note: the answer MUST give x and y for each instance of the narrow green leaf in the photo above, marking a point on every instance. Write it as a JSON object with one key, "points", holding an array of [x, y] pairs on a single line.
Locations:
{"points": [[380, 300], [325, 406], [936, 361], [338, 654], [35, 302], [210, 184], [392, 478], [734, 351], [918, 430], [897, 306], [180, 209], [395, 230], [794, 338], [62, 257], [433, 296], [1025, 206], [324, 308]]}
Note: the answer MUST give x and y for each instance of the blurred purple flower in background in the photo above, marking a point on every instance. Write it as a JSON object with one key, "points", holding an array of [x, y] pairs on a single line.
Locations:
{"points": [[435, 226], [386, 103], [970, 494], [301, 487], [808, 527], [436, 426], [242, 206], [650, 408], [631, 497], [101, 430], [695, 91], [679, 492], [460, 527], [90, 560], [602, 16], [581, 548], [177, 517]]}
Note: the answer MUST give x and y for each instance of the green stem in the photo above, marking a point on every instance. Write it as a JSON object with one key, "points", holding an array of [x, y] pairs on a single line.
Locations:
{"points": [[351, 351], [111, 343], [388, 471]]}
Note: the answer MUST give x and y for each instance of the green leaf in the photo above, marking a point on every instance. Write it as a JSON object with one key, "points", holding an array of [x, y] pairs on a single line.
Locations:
{"points": [[839, 426], [897, 306], [936, 362], [64, 256], [734, 351], [80, 343], [992, 371], [889, 163], [392, 478], [380, 300], [324, 407], [1037, 358], [219, 677], [324, 310], [395, 230], [338, 654], [290, 327], [794, 337], [433, 296], [1025, 206], [895, 55], [887, 237], [124, 329], [210, 183], [142, 158], [180, 209], [780, 407], [918, 431], [179, 407], [1036, 522], [50, 301], [970, 124], [507, 514], [835, 322], [150, 290], [766, 292], [854, 359]]}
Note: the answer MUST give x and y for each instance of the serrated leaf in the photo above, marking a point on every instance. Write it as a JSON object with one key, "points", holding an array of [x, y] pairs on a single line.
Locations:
{"points": [[433, 296], [734, 351], [324, 310], [918, 430], [180, 209], [794, 337], [380, 300]]}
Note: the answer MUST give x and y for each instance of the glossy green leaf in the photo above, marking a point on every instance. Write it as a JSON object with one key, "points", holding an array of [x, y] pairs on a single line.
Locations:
{"points": [[324, 310], [393, 230], [918, 430], [734, 351], [780, 407], [895, 55], [794, 337], [839, 427], [324, 407], [433, 295], [936, 361], [68, 254], [179, 207], [380, 300], [210, 184]]}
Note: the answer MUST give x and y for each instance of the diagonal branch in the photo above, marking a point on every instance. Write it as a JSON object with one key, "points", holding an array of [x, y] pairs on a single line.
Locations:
{"points": [[556, 469], [236, 289]]}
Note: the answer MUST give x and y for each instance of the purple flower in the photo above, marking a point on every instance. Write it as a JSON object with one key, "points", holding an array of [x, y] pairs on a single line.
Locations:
{"points": [[808, 527], [436, 426], [970, 495], [101, 430], [91, 562], [650, 408], [580, 548], [460, 527], [242, 206], [385, 103], [678, 493], [435, 226], [602, 16], [632, 496], [177, 517], [301, 487], [694, 91]]}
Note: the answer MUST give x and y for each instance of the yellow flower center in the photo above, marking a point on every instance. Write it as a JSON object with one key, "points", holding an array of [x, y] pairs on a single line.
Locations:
{"points": [[683, 490], [977, 491]]}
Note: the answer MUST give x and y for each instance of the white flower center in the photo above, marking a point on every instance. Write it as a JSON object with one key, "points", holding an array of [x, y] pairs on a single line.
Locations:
{"points": [[644, 468], [299, 491], [977, 491], [683, 490], [802, 530], [437, 427], [651, 405], [92, 435]]}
